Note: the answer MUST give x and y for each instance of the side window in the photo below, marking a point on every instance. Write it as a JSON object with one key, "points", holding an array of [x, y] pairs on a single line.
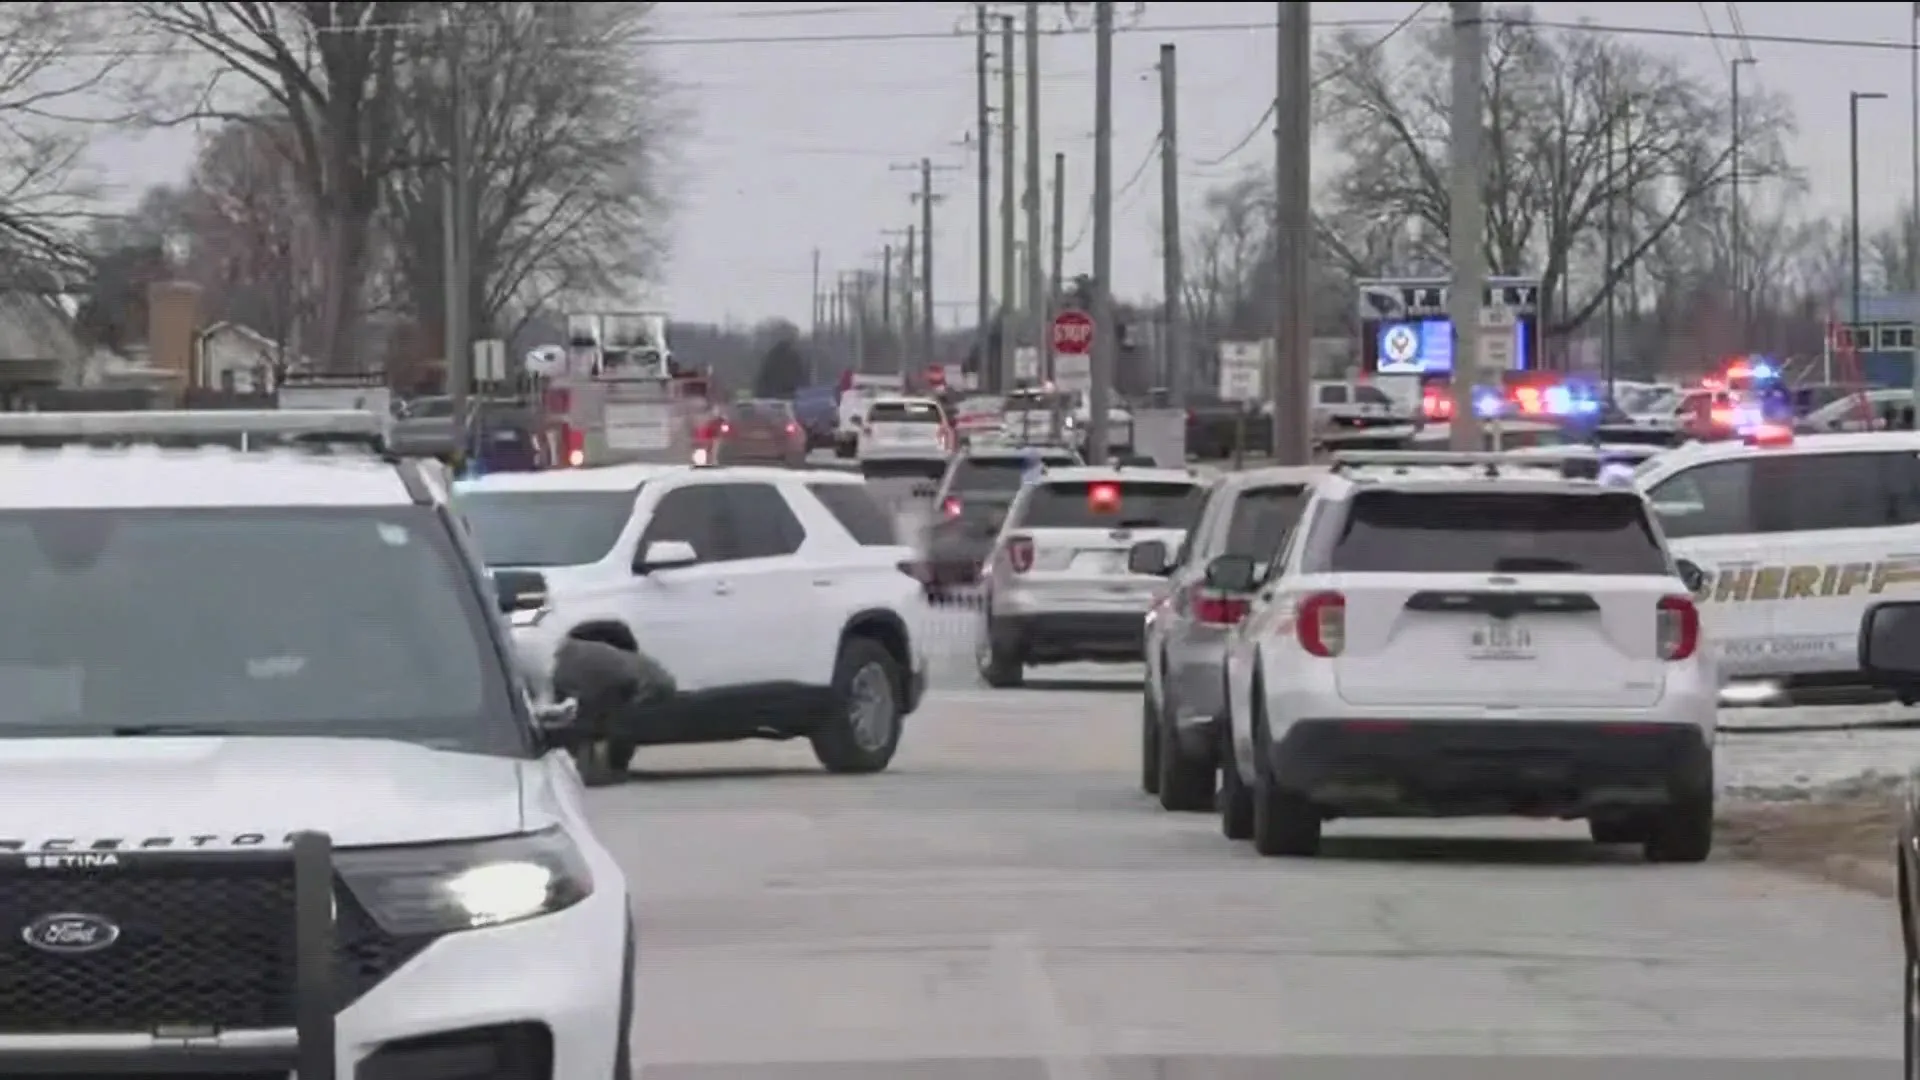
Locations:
{"points": [[1333, 395], [763, 523], [695, 515], [858, 512], [1310, 544], [1903, 477], [1715, 499], [1194, 544], [1812, 492]]}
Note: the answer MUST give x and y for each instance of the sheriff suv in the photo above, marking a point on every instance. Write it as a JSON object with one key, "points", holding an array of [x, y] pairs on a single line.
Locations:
{"points": [[685, 564], [279, 802], [1461, 634]]}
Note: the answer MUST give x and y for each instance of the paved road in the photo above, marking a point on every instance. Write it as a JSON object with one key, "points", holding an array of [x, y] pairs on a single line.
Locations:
{"points": [[1003, 905]]}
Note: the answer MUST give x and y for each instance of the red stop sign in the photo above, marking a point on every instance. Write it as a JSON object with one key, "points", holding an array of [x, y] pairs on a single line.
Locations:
{"points": [[1073, 333]]}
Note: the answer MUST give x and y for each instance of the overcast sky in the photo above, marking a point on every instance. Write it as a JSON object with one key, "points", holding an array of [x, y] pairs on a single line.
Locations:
{"points": [[798, 144]]}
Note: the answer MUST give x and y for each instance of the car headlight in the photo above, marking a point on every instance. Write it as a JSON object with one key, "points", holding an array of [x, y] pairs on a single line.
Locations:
{"points": [[439, 888]]}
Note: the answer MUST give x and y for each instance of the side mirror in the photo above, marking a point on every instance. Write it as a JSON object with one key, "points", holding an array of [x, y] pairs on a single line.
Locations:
{"points": [[1691, 574], [665, 555], [520, 590], [1148, 557], [1890, 643], [1233, 574]]}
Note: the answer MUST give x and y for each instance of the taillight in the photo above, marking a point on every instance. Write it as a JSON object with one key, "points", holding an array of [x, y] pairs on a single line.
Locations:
{"points": [[1677, 627], [1321, 623], [712, 430], [1020, 553], [793, 428], [946, 440], [575, 441], [1216, 610], [951, 508]]}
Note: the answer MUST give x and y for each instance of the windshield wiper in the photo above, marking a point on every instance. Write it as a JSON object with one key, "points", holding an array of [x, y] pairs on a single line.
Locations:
{"points": [[138, 731]]}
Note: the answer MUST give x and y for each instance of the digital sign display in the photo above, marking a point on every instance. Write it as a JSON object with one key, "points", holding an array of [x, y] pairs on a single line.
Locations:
{"points": [[1425, 347]]}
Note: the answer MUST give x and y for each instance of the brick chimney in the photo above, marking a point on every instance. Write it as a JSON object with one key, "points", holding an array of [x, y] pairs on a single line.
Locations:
{"points": [[173, 327]]}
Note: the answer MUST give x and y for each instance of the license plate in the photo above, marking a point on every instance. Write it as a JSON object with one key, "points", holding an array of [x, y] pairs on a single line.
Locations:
{"points": [[1101, 562], [1501, 640]]}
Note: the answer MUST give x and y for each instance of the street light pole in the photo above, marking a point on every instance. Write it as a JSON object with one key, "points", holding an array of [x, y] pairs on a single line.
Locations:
{"points": [[1738, 245], [1853, 166]]}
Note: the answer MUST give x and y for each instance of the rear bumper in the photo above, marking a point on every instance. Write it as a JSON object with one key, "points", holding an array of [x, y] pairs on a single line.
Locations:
{"points": [[1535, 768], [1059, 637]]}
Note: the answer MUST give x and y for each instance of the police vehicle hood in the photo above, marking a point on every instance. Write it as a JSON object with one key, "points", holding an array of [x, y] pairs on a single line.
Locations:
{"points": [[215, 792]]}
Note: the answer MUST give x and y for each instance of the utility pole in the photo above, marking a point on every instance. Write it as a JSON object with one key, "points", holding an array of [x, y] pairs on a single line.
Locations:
{"points": [[1467, 225], [1058, 283], [927, 197], [1104, 338], [1039, 301], [1172, 282], [886, 289], [1009, 207], [1853, 171], [989, 371], [906, 298], [459, 350], [1737, 247], [813, 326], [1293, 145]]}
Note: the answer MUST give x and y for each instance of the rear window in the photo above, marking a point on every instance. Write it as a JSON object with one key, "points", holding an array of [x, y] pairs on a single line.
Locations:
{"points": [[1260, 517], [778, 411], [904, 412], [1113, 504], [858, 512], [1497, 533], [997, 474]]}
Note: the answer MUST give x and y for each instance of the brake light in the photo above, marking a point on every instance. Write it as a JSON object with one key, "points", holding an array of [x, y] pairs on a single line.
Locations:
{"points": [[1020, 553], [1321, 623], [1216, 610], [575, 441], [793, 428], [1677, 627], [1103, 496], [951, 507], [712, 429]]}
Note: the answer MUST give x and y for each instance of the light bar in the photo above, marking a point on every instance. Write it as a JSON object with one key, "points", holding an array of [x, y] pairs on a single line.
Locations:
{"points": [[186, 426], [1418, 457]]}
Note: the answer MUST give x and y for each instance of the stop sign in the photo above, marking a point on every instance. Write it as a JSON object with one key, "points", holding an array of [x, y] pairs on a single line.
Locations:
{"points": [[1073, 333]]}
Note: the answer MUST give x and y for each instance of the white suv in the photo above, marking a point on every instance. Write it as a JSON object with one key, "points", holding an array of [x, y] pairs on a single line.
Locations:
{"points": [[780, 601], [279, 801], [1460, 634]]}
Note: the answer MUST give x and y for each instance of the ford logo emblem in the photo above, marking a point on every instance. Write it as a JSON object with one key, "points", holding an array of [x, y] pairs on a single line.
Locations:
{"points": [[70, 933]]}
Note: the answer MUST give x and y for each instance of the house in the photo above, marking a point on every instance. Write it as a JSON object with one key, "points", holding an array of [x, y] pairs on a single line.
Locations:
{"points": [[238, 359], [40, 346]]}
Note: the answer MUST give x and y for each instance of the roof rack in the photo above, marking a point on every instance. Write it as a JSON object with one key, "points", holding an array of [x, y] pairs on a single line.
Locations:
{"points": [[247, 429]]}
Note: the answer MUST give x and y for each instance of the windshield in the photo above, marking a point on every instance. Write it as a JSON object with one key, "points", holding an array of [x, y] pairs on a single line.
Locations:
{"points": [[904, 412], [1017, 403], [258, 621], [545, 528], [1001, 474], [1447, 532], [1113, 504]]}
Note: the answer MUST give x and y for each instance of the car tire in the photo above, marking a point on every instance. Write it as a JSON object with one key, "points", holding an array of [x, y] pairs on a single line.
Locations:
{"points": [[843, 448], [862, 732], [620, 754], [1186, 784], [1000, 664], [1149, 744], [1616, 830], [1910, 1026], [1283, 823], [1235, 799], [596, 766], [1681, 833]]}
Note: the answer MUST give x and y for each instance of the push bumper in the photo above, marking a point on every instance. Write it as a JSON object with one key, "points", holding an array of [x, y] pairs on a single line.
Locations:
{"points": [[1559, 769]]}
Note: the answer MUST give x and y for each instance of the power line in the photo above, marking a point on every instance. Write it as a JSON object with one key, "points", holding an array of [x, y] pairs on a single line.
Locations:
{"points": [[1139, 171], [1261, 124]]}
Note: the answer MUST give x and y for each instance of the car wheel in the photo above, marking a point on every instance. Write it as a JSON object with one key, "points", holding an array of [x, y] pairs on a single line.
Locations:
{"points": [[1682, 833], [595, 765], [1186, 783], [863, 731], [1234, 800], [620, 755], [1283, 823], [1149, 744], [1001, 665]]}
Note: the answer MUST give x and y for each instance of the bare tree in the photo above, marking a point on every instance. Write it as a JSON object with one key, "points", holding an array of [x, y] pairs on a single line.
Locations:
{"points": [[57, 68], [329, 75], [1580, 125], [565, 123]]}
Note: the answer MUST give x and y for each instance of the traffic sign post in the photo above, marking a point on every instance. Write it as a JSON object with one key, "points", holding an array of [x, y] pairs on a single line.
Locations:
{"points": [[1496, 341], [1071, 338], [1242, 371]]}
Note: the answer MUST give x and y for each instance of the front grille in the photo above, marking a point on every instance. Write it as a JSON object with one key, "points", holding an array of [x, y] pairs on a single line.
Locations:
{"points": [[204, 940]]}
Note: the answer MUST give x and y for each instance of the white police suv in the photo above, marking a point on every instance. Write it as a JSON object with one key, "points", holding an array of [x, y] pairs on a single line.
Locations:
{"points": [[1461, 634], [278, 802]]}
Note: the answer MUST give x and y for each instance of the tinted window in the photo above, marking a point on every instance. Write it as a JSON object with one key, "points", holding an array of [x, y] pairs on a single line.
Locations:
{"points": [[695, 515], [1371, 395], [1832, 491], [1497, 532], [1261, 517], [1333, 395], [904, 412], [544, 528], [1141, 505], [763, 524], [282, 621], [858, 512], [1715, 499], [768, 411]]}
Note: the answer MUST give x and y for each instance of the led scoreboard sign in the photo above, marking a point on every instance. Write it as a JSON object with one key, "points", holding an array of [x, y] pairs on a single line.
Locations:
{"points": [[1405, 329]]}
